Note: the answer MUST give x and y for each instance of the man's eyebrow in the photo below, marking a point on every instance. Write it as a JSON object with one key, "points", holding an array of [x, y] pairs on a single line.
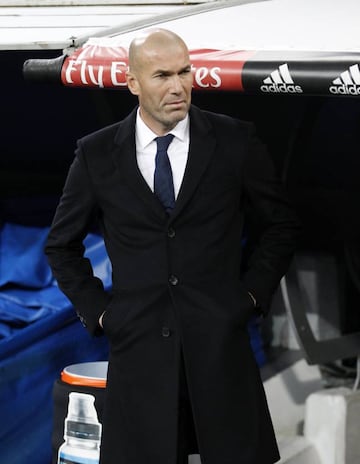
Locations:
{"points": [[162, 71], [186, 68], [167, 71]]}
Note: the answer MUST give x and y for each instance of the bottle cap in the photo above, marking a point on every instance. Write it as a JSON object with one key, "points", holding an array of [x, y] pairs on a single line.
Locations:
{"points": [[82, 420]]}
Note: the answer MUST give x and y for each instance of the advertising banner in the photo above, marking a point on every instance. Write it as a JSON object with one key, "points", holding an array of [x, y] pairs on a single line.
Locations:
{"points": [[257, 72]]}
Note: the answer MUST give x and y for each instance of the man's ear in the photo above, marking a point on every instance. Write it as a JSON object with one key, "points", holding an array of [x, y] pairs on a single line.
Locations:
{"points": [[132, 83]]}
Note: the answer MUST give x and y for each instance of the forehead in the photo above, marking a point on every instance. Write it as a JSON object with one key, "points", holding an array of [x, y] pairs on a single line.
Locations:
{"points": [[171, 57]]}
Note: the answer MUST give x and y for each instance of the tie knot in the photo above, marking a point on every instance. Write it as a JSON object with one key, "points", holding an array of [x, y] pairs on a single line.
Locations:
{"points": [[164, 142]]}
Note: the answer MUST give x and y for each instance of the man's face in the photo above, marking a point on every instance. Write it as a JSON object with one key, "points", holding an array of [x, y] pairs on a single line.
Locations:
{"points": [[163, 83]]}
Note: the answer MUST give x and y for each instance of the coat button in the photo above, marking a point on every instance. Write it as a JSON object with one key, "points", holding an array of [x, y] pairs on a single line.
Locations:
{"points": [[165, 332], [171, 233], [173, 280]]}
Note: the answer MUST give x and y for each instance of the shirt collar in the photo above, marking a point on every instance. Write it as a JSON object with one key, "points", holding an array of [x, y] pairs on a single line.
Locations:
{"points": [[144, 135]]}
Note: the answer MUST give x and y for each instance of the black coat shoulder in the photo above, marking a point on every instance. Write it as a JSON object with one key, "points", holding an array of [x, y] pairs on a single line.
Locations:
{"points": [[112, 133], [223, 122]]}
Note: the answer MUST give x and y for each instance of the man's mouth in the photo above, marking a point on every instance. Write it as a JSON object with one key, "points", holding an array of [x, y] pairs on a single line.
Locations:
{"points": [[176, 103]]}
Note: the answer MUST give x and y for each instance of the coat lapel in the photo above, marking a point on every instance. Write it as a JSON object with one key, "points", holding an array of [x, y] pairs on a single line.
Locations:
{"points": [[125, 160], [201, 149]]}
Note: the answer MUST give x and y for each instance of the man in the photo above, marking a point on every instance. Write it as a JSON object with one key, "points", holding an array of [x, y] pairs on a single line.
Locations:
{"points": [[181, 376]]}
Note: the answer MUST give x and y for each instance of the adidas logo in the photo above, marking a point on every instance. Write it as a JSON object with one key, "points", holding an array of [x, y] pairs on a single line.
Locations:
{"points": [[280, 81], [348, 83]]}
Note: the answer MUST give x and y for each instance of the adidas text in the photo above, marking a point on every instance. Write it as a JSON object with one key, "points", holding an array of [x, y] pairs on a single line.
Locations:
{"points": [[281, 88], [345, 89]]}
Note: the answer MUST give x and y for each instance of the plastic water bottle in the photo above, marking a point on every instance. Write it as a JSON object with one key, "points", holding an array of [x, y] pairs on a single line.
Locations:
{"points": [[82, 431]]}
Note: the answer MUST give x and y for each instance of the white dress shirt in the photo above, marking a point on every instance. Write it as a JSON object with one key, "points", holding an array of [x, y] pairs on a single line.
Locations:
{"points": [[177, 151]]}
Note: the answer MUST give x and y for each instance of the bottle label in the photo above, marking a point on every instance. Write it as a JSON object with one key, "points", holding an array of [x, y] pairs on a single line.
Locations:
{"points": [[67, 459]]}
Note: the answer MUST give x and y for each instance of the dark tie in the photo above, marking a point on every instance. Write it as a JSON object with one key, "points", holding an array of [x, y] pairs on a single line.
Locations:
{"points": [[163, 179]]}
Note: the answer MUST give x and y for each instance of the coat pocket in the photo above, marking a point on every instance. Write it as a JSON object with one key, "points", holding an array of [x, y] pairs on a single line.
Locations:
{"points": [[116, 314], [246, 305]]}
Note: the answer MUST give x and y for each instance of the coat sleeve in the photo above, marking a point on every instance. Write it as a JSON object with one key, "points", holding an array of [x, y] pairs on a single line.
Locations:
{"points": [[64, 248], [274, 228]]}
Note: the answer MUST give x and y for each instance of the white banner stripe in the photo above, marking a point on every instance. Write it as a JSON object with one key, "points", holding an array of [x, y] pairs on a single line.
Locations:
{"points": [[355, 73], [276, 77], [346, 78], [284, 71]]}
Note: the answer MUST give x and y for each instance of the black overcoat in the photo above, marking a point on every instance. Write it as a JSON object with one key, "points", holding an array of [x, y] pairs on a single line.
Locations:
{"points": [[177, 281]]}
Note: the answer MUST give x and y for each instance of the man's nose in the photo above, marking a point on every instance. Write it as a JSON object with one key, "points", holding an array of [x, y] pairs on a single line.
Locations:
{"points": [[176, 85]]}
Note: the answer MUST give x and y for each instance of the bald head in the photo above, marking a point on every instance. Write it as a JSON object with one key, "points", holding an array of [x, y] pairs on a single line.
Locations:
{"points": [[160, 76], [150, 44]]}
